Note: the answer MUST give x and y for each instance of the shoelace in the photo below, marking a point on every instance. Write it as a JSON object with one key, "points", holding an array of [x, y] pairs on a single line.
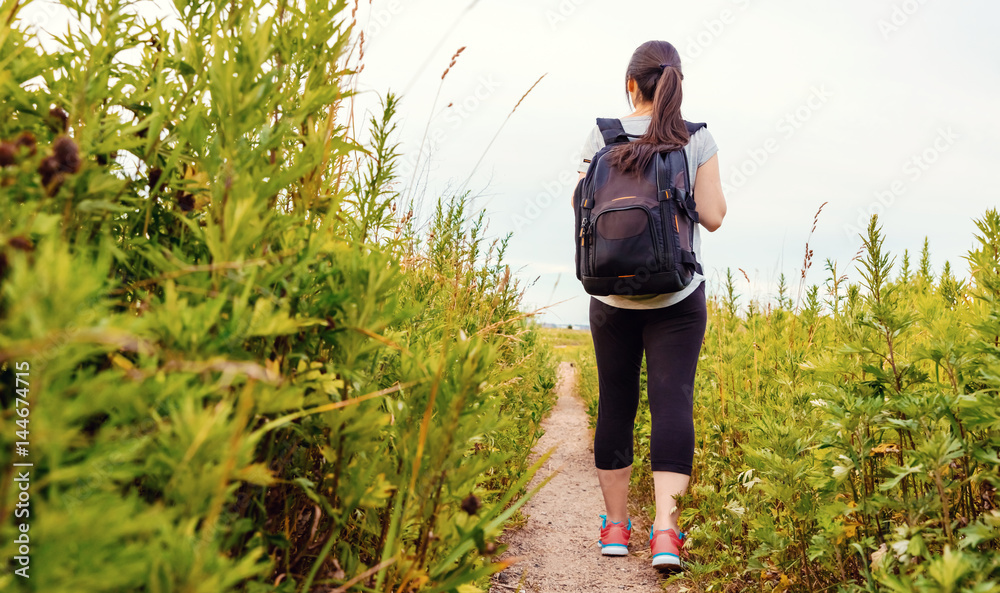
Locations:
{"points": [[607, 523]]}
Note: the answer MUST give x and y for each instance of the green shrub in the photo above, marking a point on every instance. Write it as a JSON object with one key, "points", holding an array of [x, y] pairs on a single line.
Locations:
{"points": [[247, 371], [850, 443]]}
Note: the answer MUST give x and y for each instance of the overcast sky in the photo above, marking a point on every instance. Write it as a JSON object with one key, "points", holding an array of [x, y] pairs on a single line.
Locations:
{"points": [[884, 107]]}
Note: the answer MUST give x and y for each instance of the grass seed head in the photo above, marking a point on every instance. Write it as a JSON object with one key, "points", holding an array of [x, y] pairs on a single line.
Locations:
{"points": [[454, 59]]}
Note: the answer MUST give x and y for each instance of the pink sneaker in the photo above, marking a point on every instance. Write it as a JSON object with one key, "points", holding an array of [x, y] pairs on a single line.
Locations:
{"points": [[614, 537], [665, 546]]}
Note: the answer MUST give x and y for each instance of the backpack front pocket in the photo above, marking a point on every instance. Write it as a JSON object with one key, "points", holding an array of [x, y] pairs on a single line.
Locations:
{"points": [[624, 243]]}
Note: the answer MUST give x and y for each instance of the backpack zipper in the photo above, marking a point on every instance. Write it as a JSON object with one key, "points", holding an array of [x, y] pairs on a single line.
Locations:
{"points": [[668, 251]]}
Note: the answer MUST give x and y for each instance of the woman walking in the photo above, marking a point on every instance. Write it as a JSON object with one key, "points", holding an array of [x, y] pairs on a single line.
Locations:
{"points": [[669, 328]]}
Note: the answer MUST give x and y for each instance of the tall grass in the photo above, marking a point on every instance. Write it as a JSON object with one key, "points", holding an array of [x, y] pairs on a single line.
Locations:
{"points": [[248, 371], [851, 443]]}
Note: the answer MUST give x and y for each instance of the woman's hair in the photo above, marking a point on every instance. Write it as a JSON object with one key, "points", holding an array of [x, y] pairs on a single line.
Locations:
{"points": [[656, 68]]}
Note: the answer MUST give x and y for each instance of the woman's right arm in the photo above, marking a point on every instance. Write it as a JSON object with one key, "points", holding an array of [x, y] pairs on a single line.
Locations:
{"points": [[708, 198]]}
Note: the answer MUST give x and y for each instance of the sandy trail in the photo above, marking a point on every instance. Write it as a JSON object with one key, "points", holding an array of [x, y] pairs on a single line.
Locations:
{"points": [[558, 545]]}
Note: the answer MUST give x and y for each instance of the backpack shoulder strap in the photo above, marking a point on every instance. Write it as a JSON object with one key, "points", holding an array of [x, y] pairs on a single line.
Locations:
{"points": [[693, 127], [613, 131]]}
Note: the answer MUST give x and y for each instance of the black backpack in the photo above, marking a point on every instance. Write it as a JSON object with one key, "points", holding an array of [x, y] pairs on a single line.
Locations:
{"points": [[635, 233]]}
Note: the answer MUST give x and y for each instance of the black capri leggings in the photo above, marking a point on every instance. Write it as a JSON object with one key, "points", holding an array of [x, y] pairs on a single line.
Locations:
{"points": [[671, 337]]}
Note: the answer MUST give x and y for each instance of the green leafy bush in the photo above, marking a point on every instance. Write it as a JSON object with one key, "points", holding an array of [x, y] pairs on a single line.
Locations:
{"points": [[247, 371], [849, 443]]}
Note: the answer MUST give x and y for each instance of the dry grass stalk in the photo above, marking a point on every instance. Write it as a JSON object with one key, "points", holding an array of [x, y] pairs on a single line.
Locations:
{"points": [[495, 325], [423, 140], [492, 140], [807, 259], [454, 59]]}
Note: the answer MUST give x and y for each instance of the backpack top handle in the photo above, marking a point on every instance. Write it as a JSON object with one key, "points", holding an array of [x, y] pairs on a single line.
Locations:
{"points": [[613, 131]]}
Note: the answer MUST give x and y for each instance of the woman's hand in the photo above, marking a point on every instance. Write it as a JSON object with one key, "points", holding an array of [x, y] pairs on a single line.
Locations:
{"points": [[708, 198]]}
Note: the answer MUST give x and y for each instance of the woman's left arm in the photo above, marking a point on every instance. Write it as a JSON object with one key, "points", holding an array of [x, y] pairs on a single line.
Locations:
{"points": [[708, 198]]}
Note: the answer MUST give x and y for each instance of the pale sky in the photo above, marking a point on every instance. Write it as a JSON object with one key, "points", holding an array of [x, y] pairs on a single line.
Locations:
{"points": [[814, 101], [885, 107]]}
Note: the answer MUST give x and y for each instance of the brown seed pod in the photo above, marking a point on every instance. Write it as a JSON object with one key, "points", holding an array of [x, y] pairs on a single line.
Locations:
{"points": [[154, 177], [471, 504], [67, 154], [59, 119], [7, 152], [26, 141], [48, 169], [21, 243], [185, 201]]}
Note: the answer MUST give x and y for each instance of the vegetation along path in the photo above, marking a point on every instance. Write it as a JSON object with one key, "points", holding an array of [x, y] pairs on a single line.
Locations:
{"points": [[557, 547]]}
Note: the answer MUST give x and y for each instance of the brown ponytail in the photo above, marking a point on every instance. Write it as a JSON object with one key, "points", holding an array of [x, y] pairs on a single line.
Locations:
{"points": [[656, 68]]}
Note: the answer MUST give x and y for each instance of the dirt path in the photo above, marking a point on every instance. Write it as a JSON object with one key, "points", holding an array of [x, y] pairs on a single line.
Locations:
{"points": [[558, 545]]}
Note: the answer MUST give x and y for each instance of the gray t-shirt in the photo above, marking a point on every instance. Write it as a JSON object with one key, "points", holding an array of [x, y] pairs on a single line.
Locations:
{"points": [[699, 149]]}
